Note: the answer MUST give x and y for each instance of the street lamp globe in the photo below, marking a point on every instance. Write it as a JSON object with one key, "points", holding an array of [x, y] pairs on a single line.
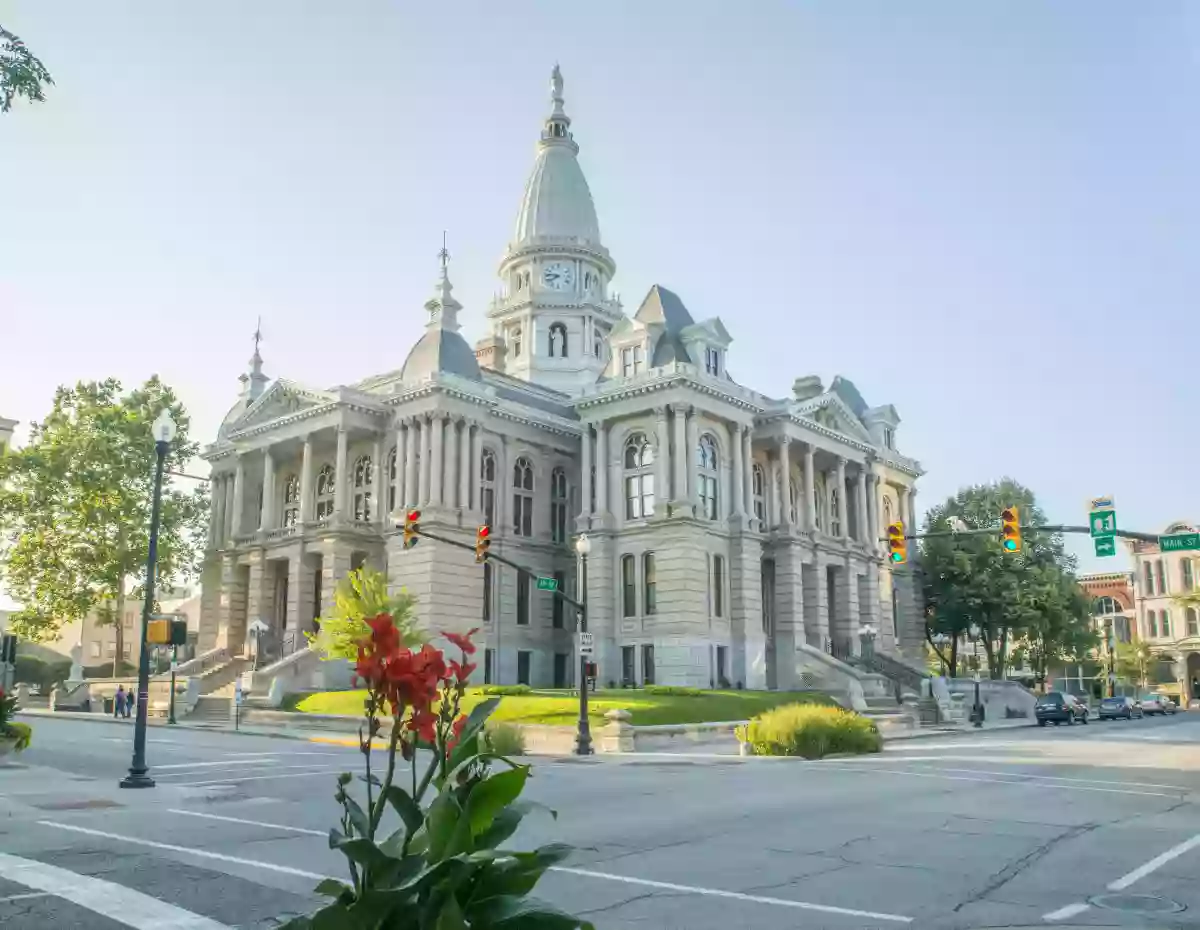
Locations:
{"points": [[164, 428], [974, 631], [583, 545]]}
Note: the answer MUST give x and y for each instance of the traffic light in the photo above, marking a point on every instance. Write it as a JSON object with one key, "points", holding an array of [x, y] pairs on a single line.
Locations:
{"points": [[179, 632], [8, 648], [158, 632], [412, 527], [897, 544], [483, 542], [1010, 529]]}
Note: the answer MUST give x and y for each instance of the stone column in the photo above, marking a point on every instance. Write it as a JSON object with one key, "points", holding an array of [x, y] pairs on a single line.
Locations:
{"points": [[912, 510], [737, 490], [873, 528], [843, 508], [267, 515], [450, 482], [437, 459], [300, 609], [748, 472], [399, 496], [662, 473], [902, 495], [306, 478], [785, 483], [423, 457], [810, 490], [772, 489], [216, 526], [602, 468], [860, 505], [239, 497], [503, 489], [689, 455], [340, 477], [476, 464], [585, 477], [465, 458], [680, 457], [378, 482], [411, 444]]}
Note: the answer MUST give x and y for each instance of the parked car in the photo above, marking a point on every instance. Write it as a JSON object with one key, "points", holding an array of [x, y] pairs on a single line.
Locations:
{"points": [[1059, 707], [1157, 704], [1113, 707]]}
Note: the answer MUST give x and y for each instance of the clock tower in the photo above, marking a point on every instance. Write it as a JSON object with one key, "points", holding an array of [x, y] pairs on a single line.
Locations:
{"points": [[553, 313]]}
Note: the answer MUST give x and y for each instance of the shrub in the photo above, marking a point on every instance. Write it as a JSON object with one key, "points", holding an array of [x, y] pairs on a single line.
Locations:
{"points": [[504, 739], [506, 689], [31, 670], [673, 690], [810, 731], [24, 734]]}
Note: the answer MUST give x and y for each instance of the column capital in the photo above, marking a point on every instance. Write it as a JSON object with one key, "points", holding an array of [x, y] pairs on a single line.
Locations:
{"points": [[660, 412]]}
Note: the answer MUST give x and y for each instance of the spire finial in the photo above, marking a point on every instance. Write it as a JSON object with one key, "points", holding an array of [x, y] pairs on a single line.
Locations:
{"points": [[257, 334], [444, 254], [443, 308]]}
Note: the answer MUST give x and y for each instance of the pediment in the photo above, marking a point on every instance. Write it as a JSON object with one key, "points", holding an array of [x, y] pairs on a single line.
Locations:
{"points": [[830, 411], [282, 399]]}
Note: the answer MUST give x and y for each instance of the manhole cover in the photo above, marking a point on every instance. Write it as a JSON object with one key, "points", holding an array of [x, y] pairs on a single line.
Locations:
{"points": [[1137, 903]]}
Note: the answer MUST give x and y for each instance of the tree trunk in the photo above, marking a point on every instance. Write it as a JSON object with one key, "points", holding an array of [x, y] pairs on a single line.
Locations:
{"points": [[1002, 659], [954, 657], [118, 624]]}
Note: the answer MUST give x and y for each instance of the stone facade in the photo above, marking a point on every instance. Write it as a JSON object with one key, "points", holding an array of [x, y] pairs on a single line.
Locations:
{"points": [[725, 527], [1170, 625]]}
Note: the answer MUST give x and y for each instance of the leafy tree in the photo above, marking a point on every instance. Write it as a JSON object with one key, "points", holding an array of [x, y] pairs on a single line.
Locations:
{"points": [[75, 507], [1135, 662], [1024, 600], [21, 73], [362, 594]]}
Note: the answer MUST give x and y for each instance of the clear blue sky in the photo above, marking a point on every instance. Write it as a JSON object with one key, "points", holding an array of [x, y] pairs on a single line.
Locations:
{"points": [[985, 213]]}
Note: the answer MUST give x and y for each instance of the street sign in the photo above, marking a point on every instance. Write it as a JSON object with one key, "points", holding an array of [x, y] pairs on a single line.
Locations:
{"points": [[547, 584], [1105, 545], [1179, 542], [1103, 522], [237, 691], [586, 645]]}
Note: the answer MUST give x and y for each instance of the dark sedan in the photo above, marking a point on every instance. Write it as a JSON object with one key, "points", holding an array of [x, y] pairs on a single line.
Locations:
{"points": [[1112, 708], [1059, 707]]}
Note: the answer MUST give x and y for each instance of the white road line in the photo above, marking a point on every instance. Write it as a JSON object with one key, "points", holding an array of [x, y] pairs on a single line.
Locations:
{"points": [[186, 850], [250, 823], [259, 760], [735, 895], [1076, 781], [264, 763], [1069, 911], [1154, 864], [240, 779], [997, 781], [124, 905], [25, 897]]}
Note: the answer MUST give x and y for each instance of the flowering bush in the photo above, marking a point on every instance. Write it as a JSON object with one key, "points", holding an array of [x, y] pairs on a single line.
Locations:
{"points": [[810, 731], [440, 868], [8, 727]]}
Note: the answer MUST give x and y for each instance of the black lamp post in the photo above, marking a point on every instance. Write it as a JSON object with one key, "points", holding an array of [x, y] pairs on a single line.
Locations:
{"points": [[174, 665], [164, 432], [977, 708], [583, 739]]}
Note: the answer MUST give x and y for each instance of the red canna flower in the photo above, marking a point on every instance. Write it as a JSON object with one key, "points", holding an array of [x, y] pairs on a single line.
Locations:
{"points": [[462, 672], [456, 729], [463, 642], [423, 722]]}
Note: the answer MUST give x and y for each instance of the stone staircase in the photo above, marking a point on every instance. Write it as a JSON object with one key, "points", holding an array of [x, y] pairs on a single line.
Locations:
{"points": [[217, 686], [223, 676], [212, 711]]}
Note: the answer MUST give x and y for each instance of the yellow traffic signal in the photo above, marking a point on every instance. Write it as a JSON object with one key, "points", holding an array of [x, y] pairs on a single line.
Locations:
{"points": [[483, 542], [1010, 529], [897, 544], [412, 528], [158, 632]]}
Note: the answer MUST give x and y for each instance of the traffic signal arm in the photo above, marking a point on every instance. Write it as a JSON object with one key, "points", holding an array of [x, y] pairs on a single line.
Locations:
{"points": [[1029, 528]]}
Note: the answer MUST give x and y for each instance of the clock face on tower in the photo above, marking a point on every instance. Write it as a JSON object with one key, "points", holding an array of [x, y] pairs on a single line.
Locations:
{"points": [[558, 276]]}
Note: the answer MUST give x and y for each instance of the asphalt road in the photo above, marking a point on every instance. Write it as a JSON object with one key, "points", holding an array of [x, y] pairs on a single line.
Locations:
{"points": [[1007, 828]]}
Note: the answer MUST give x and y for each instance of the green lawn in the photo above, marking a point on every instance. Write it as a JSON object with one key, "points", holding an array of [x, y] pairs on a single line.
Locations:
{"points": [[561, 707]]}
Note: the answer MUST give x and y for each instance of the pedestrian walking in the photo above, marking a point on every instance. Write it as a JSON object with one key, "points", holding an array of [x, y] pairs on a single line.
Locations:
{"points": [[130, 701], [119, 701]]}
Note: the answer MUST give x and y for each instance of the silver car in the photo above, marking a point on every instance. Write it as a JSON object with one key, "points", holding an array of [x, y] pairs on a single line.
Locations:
{"points": [[1157, 704]]}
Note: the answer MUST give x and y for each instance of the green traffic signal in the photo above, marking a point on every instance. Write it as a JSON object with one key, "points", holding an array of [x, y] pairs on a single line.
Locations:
{"points": [[1010, 545]]}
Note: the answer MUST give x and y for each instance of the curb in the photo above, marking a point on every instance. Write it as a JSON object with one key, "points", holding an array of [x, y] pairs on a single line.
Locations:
{"points": [[162, 725]]}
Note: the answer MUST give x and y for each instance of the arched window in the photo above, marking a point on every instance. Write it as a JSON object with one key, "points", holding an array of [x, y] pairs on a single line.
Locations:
{"points": [[706, 460], [1105, 606], [523, 497], [638, 462], [364, 477], [558, 506], [558, 340], [1193, 627], [291, 500], [487, 486], [835, 513], [326, 489], [759, 486], [391, 479]]}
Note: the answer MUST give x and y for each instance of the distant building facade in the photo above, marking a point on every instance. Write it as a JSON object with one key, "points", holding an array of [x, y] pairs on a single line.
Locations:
{"points": [[728, 530], [6, 433], [1171, 627]]}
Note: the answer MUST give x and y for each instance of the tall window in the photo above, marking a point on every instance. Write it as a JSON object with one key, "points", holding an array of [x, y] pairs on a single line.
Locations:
{"points": [[598, 345], [559, 504], [487, 591], [487, 486], [1151, 624], [1164, 623], [523, 658], [712, 361], [889, 437], [706, 459], [558, 340], [639, 477], [391, 479], [291, 500], [1193, 628], [759, 483], [364, 476], [718, 585], [523, 497], [628, 586], [557, 616], [1187, 577], [326, 485], [649, 585], [522, 600], [631, 361], [835, 513], [1160, 576], [1148, 573], [516, 342]]}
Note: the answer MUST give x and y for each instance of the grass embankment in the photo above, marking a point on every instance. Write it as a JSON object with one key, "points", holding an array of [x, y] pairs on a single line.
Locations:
{"points": [[562, 707]]}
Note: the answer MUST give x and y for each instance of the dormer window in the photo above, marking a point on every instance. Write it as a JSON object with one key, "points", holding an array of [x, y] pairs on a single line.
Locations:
{"points": [[712, 361], [889, 438], [631, 361]]}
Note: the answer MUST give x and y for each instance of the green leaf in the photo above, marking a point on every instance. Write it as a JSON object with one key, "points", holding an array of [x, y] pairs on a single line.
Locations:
{"points": [[507, 821], [451, 917], [492, 795], [358, 816], [363, 851], [332, 888], [441, 824], [513, 911], [468, 744], [409, 810], [520, 872]]}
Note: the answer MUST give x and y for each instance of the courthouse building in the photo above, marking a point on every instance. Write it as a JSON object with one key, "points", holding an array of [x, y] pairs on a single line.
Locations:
{"points": [[728, 531]]}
